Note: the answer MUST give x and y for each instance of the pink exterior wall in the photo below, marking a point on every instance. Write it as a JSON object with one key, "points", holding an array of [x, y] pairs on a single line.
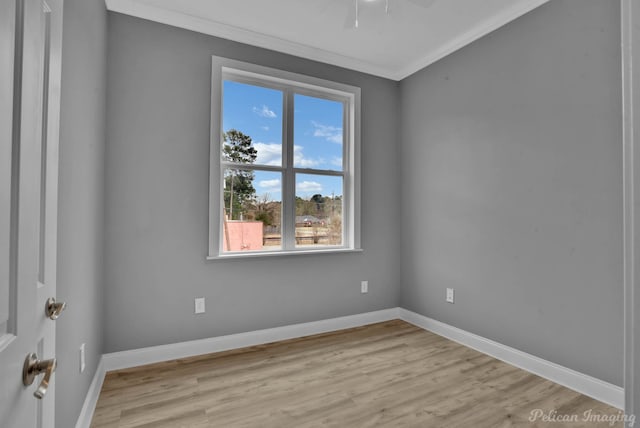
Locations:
{"points": [[242, 236]]}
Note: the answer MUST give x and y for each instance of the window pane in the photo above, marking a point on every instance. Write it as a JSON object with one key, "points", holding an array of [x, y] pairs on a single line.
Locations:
{"points": [[317, 133], [252, 124], [318, 210], [252, 210]]}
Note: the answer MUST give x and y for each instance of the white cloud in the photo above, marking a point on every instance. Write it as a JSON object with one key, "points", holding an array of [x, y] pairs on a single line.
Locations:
{"points": [[270, 186], [300, 161], [264, 128], [265, 111], [309, 186], [336, 161], [269, 183], [271, 154], [268, 153], [328, 132]]}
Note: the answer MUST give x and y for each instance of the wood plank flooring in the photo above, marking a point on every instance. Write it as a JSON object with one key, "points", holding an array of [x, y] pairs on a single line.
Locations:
{"points": [[390, 374]]}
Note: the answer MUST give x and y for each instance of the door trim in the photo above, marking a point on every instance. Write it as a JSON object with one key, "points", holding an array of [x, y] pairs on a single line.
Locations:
{"points": [[91, 399], [630, 35]]}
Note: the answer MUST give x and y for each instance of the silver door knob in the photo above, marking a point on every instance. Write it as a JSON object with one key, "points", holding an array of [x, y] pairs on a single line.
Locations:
{"points": [[32, 368], [53, 309]]}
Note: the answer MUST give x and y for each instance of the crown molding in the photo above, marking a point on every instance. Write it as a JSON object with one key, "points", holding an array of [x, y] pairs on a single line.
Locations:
{"points": [[229, 32], [182, 20]]}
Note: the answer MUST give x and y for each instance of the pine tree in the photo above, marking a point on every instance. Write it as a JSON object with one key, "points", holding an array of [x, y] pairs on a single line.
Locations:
{"points": [[239, 190]]}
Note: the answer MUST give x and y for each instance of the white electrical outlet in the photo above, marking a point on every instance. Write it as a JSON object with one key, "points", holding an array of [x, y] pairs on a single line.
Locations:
{"points": [[450, 295], [199, 305], [82, 361], [364, 287]]}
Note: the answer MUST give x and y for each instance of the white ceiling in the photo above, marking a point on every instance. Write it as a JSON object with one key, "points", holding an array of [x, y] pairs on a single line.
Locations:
{"points": [[414, 34]]}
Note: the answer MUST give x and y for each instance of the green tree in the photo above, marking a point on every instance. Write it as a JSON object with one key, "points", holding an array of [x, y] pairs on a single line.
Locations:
{"points": [[304, 207], [319, 200], [238, 183]]}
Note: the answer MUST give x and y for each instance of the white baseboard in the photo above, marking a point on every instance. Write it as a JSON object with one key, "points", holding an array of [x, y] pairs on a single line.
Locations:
{"points": [[155, 354], [584, 384], [90, 401]]}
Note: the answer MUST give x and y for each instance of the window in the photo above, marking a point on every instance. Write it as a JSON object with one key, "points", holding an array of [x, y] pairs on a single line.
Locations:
{"points": [[284, 162]]}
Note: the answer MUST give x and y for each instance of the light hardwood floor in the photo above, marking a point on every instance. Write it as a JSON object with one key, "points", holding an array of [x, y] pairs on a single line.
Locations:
{"points": [[390, 374]]}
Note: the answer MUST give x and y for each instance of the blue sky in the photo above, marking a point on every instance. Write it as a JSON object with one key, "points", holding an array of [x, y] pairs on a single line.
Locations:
{"points": [[257, 112]]}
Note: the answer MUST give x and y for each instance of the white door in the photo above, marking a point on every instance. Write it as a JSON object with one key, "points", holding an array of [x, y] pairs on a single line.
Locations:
{"points": [[30, 48]]}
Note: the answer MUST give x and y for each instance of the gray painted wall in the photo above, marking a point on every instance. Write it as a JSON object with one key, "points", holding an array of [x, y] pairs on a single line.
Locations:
{"points": [[509, 175], [157, 166], [81, 187], [512, 187]]}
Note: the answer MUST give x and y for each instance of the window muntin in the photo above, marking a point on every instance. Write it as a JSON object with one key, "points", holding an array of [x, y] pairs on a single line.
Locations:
{"points": [[297, 175]]}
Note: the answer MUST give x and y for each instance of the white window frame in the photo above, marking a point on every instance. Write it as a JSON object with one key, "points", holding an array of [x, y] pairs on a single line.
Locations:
{"points": [[290, 83]]}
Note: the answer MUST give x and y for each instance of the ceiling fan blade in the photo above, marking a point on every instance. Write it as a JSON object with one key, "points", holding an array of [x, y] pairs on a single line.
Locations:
{"points": [[422, 3]]}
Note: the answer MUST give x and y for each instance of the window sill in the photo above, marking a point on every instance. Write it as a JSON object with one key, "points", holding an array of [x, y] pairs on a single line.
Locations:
{"points": [[241, 255]]}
